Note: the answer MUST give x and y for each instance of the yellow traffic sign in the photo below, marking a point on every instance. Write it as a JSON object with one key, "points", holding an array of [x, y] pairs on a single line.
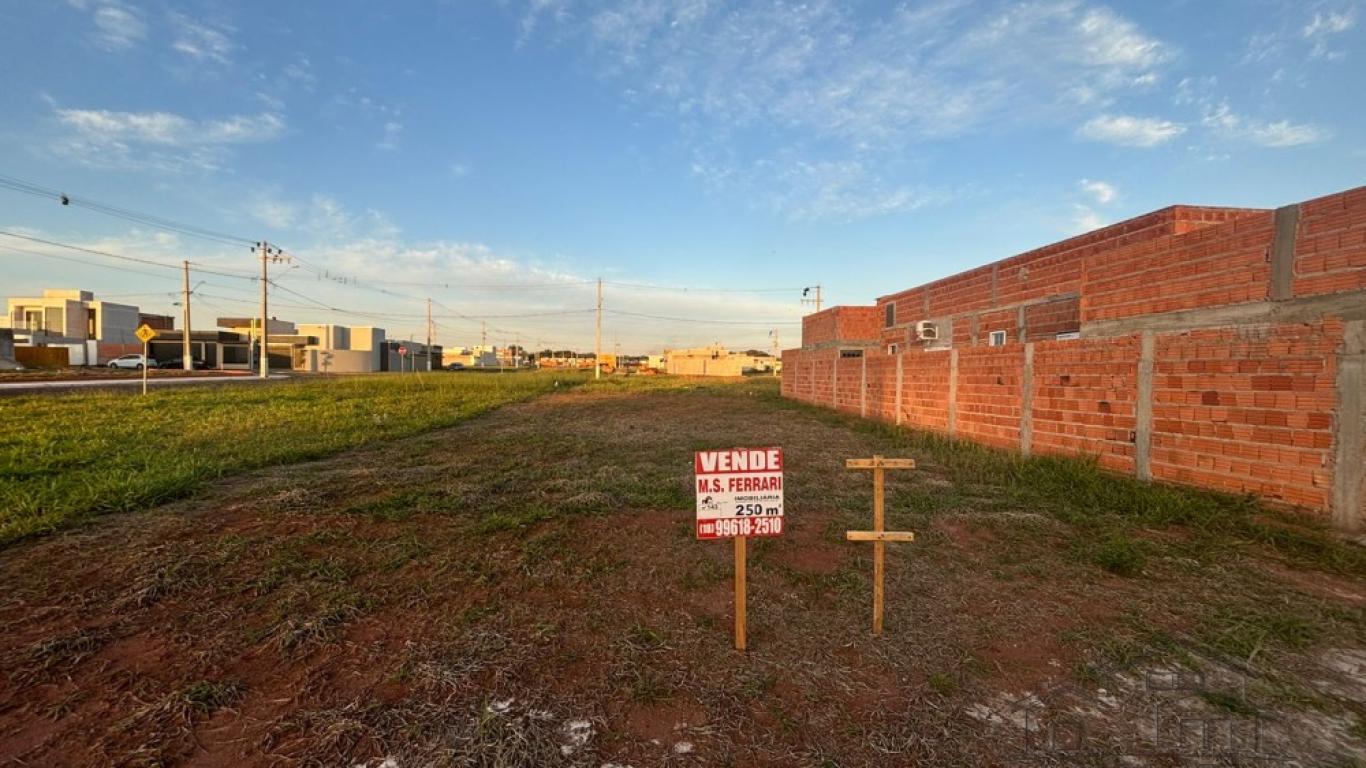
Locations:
{"points": [[146, 333]]}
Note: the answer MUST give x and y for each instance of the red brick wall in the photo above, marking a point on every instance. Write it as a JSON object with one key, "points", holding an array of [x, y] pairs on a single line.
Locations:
{"points": [[1330, 250], [1043, 322], [1215, 265], [849, 385], [881, 387], [1247, 409], [1007, 320], [841, 324], [1238, 409], [1085, 399], [989, 395], [963, 292], [925, 390]]}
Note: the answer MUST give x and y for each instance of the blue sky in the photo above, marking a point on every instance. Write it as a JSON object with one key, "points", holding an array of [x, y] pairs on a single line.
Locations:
{"points": [[424, 148]]}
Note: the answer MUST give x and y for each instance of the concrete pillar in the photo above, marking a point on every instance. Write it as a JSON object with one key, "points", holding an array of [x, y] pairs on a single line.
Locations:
{"points": [[1349, 432], [1020, 324], [953, 393], [863, 386], [835, 382], [899, 358], [1287, 223], [1143, 428], [1027, 401]]}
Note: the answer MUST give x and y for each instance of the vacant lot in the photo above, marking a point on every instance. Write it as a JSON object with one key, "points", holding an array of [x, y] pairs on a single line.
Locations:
{"points": [[524, 589], [65, 458]]}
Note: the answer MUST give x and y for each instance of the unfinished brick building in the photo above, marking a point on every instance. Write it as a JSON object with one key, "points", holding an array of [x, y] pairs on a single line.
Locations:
{"points": [[1217, 347]]}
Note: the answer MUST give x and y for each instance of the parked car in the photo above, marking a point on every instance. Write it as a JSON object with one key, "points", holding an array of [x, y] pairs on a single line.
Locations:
{"points": [[179, 364], [455, 367], [136, 362]]}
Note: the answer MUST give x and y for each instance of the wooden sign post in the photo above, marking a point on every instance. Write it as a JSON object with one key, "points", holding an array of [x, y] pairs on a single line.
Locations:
{"points": [[739, 494], [879, 536]]}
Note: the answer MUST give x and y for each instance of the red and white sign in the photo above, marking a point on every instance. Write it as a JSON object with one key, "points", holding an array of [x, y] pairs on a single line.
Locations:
{"points": [[739, 492], [403, 351]]}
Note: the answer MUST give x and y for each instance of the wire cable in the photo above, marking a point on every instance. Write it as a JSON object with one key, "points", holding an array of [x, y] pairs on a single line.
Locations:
{"points": [[702, 320], [158, 222]]}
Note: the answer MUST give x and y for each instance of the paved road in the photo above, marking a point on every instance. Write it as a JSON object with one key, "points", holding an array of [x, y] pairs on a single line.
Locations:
{"points": [[15, 387]]}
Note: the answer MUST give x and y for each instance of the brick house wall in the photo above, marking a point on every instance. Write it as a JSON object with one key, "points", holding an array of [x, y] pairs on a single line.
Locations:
{"points": [[1218, 347]]}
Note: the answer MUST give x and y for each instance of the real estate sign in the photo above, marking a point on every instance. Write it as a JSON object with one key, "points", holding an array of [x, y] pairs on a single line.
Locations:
{"points": [[739, 492]]}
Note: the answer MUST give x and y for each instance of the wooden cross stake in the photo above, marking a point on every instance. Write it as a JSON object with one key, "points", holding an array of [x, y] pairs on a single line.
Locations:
{"points": [[878, 535]]}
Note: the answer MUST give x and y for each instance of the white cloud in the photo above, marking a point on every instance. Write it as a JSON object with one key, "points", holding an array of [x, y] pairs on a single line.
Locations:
{"points": [[1130, 131], [273, 213], [1103, 192], [393, 131], [809, 190], [300, 71], [118, 27], [843, 91], [170, 129], [1085, 219], [460, 170], [1325, 26], [200, 40], [448, 267], [157, 140], [1224, 122]]}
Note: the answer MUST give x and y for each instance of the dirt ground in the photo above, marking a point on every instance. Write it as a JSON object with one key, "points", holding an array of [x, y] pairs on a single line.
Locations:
{"points": [[525, 590]]}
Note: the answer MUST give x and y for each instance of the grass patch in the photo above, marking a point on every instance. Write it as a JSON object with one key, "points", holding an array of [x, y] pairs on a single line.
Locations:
{"points": [[1236, 705], [512, 520], [1119, 555], [65, 458], [1245, 632], [209, 696], [1102, 504]]}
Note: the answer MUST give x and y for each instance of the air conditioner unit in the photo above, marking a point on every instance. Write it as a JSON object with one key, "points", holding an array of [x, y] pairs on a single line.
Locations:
{"points": [[927, 330]]}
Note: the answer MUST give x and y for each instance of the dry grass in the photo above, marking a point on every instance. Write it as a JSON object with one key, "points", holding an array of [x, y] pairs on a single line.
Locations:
{"points": [[494, 593]]}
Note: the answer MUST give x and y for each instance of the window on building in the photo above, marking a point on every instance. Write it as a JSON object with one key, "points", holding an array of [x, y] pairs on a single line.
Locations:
{"points": [[997, 339], [1068, 336], [851, 353], [890, 317], [892, 349]]}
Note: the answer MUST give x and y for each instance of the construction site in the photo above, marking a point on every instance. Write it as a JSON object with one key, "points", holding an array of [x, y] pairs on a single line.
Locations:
{"points": [[664, 384]]}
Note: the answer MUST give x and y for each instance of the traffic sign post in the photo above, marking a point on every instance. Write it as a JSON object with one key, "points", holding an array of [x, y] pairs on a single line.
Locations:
{"points": [[739, 494], [145, 334], [402, 357], [878, 536]]}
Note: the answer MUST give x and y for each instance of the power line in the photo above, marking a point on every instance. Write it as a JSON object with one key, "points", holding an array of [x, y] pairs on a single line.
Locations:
{"points": [[157, 222], [768, 323], [25, 251], [95, 252], [696, 289]]}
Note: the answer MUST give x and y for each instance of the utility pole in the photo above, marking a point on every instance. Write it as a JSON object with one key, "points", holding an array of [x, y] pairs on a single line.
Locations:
{"points": [[774, 365], [429, 334], [483, 335], [187, 360], [597, 340], [265, 332], [817, 301]]}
